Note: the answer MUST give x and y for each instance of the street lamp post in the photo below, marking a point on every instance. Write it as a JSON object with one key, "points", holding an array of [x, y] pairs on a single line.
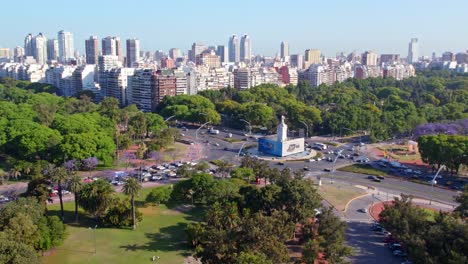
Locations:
{"points": [[248, 123], [333, 166], [434, 181], [241, 148], [307, 128], [94, 235], [198, 129], [169, 118]]}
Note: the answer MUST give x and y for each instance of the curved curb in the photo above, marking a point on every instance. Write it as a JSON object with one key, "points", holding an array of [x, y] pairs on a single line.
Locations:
{"points": [[355, 198]]}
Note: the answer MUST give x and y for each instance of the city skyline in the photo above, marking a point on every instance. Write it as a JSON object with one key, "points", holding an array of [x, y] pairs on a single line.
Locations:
{"points": [[291, 23]]}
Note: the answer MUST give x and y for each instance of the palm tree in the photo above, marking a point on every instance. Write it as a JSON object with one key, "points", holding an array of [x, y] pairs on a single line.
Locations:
{"points": [[15, 172], [58, 175], [76, 184], [131, 188]]}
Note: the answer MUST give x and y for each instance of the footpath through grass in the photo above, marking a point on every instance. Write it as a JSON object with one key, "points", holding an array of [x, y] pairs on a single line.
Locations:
{"points": [[161, 233], [363, 169]]}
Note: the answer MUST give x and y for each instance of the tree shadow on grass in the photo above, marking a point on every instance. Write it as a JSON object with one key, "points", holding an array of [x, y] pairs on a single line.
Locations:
{"points": [[83, 219], [171, 238]]}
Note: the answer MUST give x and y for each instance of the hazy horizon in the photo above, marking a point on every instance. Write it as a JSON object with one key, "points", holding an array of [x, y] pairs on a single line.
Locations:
{"points": [[332, 27]]}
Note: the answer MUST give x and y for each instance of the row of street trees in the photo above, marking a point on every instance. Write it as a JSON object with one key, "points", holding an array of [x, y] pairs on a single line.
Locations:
{"points": [[442, 240]]}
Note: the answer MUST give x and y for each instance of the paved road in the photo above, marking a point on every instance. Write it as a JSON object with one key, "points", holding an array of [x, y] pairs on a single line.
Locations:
{"points": [[368, 246]]}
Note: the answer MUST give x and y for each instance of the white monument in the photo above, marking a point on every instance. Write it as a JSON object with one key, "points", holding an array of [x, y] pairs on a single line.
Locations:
{"points": [[282, 146]]}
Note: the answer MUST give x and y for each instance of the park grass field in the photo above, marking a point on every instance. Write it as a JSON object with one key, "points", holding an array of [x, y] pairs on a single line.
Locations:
{"points": [[173, 153], [161, 234], [338, 195], [363, 169]]}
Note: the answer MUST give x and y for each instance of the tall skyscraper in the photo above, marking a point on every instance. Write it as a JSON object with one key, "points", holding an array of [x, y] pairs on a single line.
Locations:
{"points": [[413, 51], [175, 53], [133, 52], [66, 47], [52, 49], [28, 50], [112, 46], [312, 56], [234, 49], [246, 48], [39, 45], [284, 50], [223, 54], [92, 50]]}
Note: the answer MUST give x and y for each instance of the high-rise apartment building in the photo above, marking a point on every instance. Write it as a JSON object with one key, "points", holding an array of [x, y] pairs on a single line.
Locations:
{"points": [[18, 54], [39, 47], [165, 84], [297, 60], [112, 46], [175, 53], [28, 45], [209, 59], [369, 58], [413, 51], [448, 56], [92, 50], [66, 46], [141, 88], [133, 52], [4, 53], [389, 58], [222, 52], [117, 83], [246, 48], [312, 56], [105, 63], [197, 48], [52, 49], [167, 63], [284, 52], [234, 49]]}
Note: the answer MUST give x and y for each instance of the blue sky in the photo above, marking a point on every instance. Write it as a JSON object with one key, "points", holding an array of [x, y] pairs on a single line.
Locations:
{"points": [[384, 26]]}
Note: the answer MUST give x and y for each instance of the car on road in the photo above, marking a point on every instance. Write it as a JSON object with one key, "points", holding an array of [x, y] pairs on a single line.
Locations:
{"points": [[328, 170], [319, 159], [4, 199], [399, 253], [306, 168], [156, 178], [363, 210], [280, 163], [311, 160], [216, 144]]}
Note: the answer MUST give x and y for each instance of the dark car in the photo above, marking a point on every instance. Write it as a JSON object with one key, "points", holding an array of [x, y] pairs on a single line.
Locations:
{"points": [[280, 163], [306, 168]]}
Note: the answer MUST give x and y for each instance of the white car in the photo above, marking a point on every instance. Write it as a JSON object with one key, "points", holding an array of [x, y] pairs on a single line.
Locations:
{"points": [[319, 159], [311, 160]]}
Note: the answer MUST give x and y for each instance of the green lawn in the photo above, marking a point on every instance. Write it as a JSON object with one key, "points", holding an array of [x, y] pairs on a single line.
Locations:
{"points": [[161, 233], [338, 195], [363, 169], [173, 153]]}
